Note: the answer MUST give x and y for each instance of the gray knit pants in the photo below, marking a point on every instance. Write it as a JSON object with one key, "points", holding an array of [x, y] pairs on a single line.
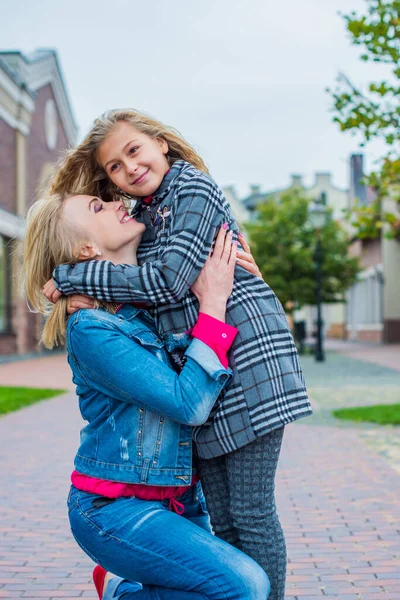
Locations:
{"points": [[239, 489]]}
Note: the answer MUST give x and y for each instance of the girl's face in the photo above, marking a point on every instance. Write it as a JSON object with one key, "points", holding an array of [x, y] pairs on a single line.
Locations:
{"points": [[107, 225], [134, 161]]}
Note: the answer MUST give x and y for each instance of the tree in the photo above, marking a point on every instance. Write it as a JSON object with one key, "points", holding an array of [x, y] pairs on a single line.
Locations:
{"points": [[375, 112], [283, 243]]}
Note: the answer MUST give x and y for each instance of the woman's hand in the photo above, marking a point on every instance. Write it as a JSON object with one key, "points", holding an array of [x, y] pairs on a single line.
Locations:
{"points": [[246, 260], [214, 283], [77, 302]]}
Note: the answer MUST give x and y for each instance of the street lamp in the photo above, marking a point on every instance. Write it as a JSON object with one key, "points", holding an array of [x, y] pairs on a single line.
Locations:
{"points": [[317, 214]]}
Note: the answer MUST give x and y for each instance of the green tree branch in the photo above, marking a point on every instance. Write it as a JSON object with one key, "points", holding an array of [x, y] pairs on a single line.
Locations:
{"points": [[375, 112], [283, 243]]}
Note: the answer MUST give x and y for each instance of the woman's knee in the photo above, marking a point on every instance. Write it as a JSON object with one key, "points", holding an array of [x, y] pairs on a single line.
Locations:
{"points": [[252, 581], [259, 586]]}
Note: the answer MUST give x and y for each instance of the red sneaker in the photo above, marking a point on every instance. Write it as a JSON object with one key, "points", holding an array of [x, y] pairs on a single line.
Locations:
{"points": [[99, 574]]}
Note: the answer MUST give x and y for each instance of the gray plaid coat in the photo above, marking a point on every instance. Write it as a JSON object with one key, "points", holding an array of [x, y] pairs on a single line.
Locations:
{"points": [[268, 389]]}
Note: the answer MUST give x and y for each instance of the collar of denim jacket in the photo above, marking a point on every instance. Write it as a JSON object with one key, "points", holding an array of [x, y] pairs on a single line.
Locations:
{"points": [[129, 311]]}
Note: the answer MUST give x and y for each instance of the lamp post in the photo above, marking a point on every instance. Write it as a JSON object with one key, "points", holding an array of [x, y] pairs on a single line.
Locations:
{"points": [[318, 219]]}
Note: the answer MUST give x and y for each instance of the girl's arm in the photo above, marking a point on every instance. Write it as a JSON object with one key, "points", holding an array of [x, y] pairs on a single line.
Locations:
{"points": [[199, 208], [244, 258]]}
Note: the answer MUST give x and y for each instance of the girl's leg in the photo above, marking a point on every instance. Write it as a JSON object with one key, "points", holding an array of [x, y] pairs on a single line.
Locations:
{"points": [[142, 541], [251, 475], [214, 479]]}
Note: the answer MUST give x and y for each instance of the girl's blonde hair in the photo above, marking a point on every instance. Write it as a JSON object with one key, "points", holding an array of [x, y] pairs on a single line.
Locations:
{"points": [[79, 170], [49, 241]]}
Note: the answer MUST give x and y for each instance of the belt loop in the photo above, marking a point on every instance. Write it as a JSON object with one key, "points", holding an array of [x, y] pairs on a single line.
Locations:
{"points": [[145, 471]]}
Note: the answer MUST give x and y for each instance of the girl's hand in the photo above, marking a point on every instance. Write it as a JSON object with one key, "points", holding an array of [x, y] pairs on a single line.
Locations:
{"points": [[76, 302], [246, 260], [214, 283], [51, 292]]}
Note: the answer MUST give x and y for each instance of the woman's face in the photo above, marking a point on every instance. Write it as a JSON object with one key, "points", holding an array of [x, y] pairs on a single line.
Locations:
{"points": [[107, 225], [134, 161]]}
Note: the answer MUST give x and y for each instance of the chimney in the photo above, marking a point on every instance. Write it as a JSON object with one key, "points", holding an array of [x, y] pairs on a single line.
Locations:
{"points": [[323, 179], [297, 181], [255, 190], [230, 190], [357, 188]]}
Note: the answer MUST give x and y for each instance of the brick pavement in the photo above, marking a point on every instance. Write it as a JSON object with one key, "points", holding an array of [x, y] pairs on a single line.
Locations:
{"points": [[338, 500], [45, 371], [38, 557], [340, 507], [386, 355]]}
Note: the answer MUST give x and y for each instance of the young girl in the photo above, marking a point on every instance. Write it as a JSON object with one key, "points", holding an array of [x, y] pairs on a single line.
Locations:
{"points": [[134, 462], [129, 154]]}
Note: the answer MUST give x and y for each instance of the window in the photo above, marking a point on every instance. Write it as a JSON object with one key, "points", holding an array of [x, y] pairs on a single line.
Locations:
{"points": [[4, 287], [365, 301]]}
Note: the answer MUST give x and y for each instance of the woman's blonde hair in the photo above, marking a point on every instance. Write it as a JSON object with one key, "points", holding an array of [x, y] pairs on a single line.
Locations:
{"points": [[79, 170], [50, 241]]}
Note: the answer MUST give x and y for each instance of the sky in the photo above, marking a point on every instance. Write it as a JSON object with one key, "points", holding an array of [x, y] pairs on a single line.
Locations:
{"points": [[244, 81]]}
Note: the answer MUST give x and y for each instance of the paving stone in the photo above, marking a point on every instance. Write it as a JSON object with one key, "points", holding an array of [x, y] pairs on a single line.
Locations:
{"points": [[337, 495]]}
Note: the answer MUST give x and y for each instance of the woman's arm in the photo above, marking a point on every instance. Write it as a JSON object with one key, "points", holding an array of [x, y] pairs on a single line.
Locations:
{"points": [[199, 208], [121, 368], [116, 365]]}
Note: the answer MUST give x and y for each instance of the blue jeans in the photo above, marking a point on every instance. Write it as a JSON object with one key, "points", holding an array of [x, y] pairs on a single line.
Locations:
{"points": [[172, 556]]}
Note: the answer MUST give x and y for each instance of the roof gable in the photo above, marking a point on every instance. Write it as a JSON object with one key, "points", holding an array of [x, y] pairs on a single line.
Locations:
{"points": [[34, 71]]}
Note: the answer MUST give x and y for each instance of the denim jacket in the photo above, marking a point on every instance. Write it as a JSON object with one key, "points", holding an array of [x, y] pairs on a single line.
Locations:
{"points": [[140, 412]]}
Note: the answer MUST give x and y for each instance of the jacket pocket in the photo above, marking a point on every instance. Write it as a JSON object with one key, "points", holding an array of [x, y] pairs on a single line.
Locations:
{"points": [[147, 338]]}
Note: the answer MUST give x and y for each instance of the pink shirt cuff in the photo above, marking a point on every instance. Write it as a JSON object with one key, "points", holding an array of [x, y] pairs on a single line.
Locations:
{"points": [[218, 335]]}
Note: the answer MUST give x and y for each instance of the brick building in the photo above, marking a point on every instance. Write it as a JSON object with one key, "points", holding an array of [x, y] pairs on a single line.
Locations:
{"points": [[36, 123]]}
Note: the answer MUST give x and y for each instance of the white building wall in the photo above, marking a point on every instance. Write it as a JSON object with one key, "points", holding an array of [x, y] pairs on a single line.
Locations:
{"points": [[391, 260], [365, 306], [336, 199]]}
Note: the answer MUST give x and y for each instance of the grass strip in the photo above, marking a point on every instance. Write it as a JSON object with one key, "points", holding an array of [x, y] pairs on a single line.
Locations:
{"points": [[14, 398], [383, 414]]}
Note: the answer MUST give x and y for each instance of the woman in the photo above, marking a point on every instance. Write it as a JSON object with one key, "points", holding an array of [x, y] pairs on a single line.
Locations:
{"points": [[134, 463]]}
